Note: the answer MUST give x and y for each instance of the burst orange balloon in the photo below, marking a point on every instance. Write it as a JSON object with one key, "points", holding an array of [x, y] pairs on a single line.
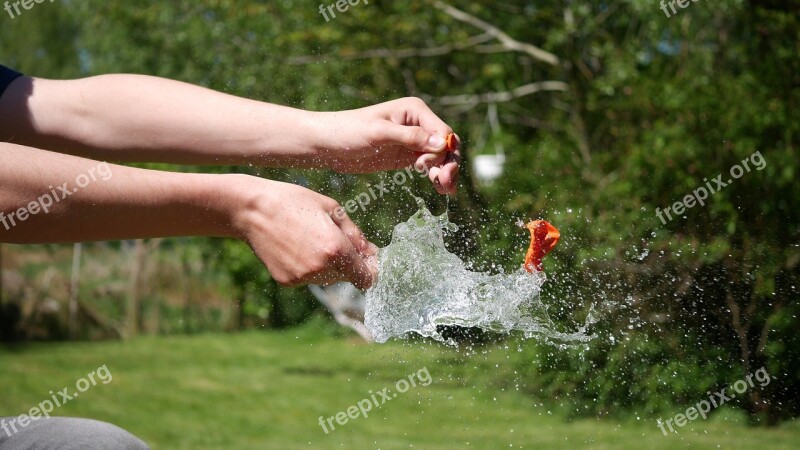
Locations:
{"points": [[451, 142], [543, 238]]}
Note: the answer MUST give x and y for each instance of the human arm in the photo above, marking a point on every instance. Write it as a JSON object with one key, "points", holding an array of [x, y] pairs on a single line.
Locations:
{"points": [[48, 197], [135, 118]]}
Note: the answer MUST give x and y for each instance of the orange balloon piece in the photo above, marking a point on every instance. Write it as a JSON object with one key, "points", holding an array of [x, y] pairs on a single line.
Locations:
{"points": [[452, 142], [543, 238]]}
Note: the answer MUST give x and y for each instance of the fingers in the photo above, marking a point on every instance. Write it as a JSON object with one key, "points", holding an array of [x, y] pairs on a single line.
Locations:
{"points": [[354, 234], [447, 175], [352, 265], [416, 112], [442, 169], [443, 174], [415, 126], [415, 138], [359, 263]]}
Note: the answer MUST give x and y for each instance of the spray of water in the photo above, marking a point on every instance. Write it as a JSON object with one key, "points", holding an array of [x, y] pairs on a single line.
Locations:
{"points": [[421, 286]]}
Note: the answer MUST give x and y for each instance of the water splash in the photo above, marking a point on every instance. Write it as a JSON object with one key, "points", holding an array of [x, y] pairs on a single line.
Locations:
{"points": [[421, 286]]}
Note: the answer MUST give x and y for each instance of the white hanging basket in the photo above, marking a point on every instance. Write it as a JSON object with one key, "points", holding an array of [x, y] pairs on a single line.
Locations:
{"points": [[488, 167]]}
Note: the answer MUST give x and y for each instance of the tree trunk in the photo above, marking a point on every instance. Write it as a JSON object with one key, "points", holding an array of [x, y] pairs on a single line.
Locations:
{"points": [[1, 275], [73, 290], [132, 308], [240, 300]]}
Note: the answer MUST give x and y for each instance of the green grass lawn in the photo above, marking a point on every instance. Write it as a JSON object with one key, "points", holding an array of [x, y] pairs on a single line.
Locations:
{"points": [[268, 389]]}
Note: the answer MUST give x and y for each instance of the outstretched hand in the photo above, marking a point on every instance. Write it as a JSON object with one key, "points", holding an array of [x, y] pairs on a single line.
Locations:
{"points": [[389, 136], [293, 232]]}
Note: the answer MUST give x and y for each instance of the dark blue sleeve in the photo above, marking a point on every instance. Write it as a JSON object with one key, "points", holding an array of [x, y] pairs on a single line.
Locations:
{"points": [[6, 77]]}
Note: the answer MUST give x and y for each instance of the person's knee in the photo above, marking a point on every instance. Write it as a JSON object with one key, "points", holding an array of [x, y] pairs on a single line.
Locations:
{"points": [[105, 435], [69, 433]]}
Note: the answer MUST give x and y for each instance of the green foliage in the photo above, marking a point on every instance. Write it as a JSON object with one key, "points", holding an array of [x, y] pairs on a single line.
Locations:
{"points": [[655, 105]]}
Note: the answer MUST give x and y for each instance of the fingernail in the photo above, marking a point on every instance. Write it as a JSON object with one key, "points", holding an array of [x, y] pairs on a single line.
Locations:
{"points": [[436, 141]]}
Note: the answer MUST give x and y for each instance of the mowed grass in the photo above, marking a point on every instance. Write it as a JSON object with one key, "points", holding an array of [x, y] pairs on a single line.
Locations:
{"points": [[268, 389]]}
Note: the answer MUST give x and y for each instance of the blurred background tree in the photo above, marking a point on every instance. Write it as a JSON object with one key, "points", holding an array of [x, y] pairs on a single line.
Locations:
{"points": [[601, 112]]}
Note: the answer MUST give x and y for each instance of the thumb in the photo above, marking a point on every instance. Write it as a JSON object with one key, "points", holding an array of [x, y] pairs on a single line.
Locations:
{"points": [[415, 138]]}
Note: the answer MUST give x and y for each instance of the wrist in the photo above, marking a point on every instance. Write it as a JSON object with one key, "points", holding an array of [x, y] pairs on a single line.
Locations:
{"points": [[291, 138], [239, 201], [219, 202], [319, 131]]}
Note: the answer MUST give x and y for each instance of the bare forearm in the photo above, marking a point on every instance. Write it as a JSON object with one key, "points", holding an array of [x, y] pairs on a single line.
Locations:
{"points": [[141, 118], [53, 198], [134, 118]]}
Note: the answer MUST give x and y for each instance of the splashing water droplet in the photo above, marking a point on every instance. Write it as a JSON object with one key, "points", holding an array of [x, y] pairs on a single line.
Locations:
{"points": [[421, 285]]}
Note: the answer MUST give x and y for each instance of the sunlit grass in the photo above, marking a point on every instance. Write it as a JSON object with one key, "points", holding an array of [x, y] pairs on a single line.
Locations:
{"points": [[268, 389]]}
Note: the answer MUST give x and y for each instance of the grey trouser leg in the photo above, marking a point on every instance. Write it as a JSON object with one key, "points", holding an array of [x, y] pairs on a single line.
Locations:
{"points": [[64, 433]]}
